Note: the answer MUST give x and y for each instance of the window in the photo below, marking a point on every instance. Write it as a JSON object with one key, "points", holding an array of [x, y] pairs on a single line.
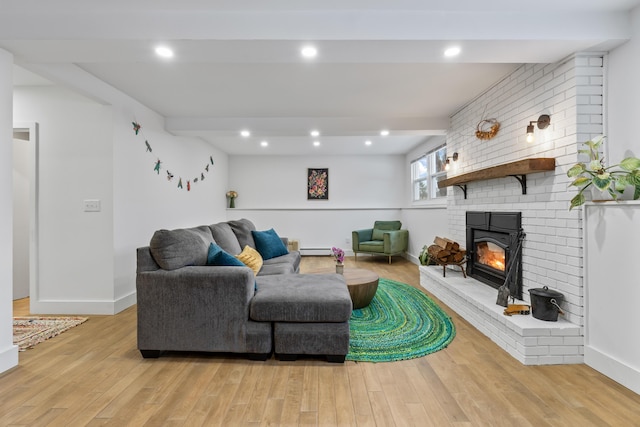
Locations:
{"points": [[426, 172]]}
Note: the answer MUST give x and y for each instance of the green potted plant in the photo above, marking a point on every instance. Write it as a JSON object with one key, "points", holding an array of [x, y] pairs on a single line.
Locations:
{"points": [[610, 179]]}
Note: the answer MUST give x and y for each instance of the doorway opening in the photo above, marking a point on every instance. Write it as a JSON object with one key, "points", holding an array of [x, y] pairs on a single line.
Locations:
{"points": [[25, 210]]}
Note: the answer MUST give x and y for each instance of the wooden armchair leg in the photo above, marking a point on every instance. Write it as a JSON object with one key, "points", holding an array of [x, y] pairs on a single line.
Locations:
{"points": [[389, 259]]}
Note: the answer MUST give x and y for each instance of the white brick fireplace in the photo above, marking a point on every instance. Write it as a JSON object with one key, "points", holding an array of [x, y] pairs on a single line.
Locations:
{"points": [[571, 92]]}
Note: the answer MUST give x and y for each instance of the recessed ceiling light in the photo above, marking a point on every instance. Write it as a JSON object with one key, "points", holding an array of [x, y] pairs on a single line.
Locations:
{"points": [[164, 52], [245, 133], [384, 132], [309, 52], [314, 133], [452, 51], [316, 143], [367, 142], [264, 143]]}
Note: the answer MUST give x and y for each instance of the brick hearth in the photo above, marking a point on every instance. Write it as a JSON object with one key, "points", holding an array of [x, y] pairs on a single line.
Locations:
{"points": [[531, 341]]}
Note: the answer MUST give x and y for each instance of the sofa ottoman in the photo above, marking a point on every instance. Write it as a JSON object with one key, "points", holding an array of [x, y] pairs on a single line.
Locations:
{"points": [[310, 314]]}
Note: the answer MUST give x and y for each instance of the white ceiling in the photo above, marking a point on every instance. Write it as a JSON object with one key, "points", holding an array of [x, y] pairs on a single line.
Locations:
{"points": [[237, 63]]}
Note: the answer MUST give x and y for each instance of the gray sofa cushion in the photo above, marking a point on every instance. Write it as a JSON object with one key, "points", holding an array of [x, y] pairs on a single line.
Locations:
{"points": [[173, 249], [226, 238], [292, 258], [281, 268], [301, 298], [311, 338], [242, 228]]}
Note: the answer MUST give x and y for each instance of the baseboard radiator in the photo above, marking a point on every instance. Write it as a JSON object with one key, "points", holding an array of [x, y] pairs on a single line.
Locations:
{"points": [[315, 251]]}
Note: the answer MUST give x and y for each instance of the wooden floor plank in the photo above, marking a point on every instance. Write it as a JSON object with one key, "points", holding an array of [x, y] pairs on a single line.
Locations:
{"points": [[417, 415], [219, 407], [442, 390], [326, 396], [201, 409], [359, 393], [310, 380], [93, 375], [272, 413], [381, 410], [260, 396], [185, 394], [345, 409], [293, 395]]}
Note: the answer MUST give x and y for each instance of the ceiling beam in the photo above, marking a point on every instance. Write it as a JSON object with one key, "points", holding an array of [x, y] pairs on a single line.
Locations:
{"points": [[119, 23]]}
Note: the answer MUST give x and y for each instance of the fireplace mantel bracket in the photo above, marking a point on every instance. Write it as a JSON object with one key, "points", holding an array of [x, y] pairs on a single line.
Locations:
{"points": [[522, 179], [463, 187]]}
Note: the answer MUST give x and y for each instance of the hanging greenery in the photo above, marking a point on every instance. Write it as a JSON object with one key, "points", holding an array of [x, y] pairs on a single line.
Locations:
{"points": [[198, 177]]}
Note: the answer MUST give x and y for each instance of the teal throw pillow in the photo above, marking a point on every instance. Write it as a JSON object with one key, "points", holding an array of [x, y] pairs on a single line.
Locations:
{"points": [[217, 256], [268, 244]]}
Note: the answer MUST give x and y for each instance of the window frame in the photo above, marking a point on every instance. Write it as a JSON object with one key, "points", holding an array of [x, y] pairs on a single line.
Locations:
{"points": [[430, 158]]}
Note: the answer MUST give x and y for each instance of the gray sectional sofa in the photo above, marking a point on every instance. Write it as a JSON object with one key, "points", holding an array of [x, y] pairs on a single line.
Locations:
{"points": [[184, 304]]}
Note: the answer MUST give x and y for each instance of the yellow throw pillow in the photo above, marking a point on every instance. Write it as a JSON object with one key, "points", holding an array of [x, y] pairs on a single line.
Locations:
{"points": [[251, 258]]}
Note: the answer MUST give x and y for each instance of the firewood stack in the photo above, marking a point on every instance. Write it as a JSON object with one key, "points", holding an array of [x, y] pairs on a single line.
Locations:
{"points": [[447, 252]]}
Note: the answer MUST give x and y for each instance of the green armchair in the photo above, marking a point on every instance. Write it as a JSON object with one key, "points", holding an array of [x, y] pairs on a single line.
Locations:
{"points": [[385, 238]]}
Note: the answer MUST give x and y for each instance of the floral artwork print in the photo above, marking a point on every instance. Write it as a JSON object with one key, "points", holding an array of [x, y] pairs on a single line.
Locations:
{"points": [[318, 184]]}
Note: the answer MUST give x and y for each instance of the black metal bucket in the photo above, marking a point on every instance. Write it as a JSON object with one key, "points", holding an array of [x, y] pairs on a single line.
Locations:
{"points": [[545, 303]]}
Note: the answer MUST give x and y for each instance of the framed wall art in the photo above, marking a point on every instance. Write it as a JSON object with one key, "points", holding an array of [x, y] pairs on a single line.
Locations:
{"points": [[317, 184]]}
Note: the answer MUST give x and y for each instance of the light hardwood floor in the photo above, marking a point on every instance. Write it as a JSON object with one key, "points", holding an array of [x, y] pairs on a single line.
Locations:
{"points": [[93, 375]]}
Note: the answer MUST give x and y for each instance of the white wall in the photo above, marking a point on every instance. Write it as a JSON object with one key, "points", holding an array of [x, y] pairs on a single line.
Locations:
{"points": [[316, 230], [623, 96], [424, 224], [75, 163], [8, 351], [281, 181], [272, 192], [145, 201], [610, 272], [88, 150], [611, 344], [428, 219]]}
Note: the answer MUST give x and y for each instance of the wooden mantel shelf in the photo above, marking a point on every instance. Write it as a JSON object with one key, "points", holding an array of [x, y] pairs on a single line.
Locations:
{"points": [[518, 170]]}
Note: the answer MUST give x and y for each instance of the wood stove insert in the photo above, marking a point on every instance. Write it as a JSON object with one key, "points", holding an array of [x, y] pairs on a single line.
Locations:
{"points": [[494, 252]]}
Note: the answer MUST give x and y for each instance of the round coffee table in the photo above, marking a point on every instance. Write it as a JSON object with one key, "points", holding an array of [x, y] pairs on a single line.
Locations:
{"points": [[362, 284]]}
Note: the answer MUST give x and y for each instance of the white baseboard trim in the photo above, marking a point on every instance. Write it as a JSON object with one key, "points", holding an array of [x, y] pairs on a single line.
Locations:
{"points": [[83, 307], [315, 251], [9, 358], [321, 252], [414, 259], [125, 302], [614, 369]]}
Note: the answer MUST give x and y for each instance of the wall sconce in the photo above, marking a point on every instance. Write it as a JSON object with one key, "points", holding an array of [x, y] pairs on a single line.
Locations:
{"points": [[543, 122], [448, 162]]}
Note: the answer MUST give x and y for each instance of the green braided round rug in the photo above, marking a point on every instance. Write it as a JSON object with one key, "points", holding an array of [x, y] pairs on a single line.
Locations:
{"points": [[400, 323]]}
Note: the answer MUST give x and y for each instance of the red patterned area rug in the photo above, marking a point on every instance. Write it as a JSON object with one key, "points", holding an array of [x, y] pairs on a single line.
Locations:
{"points": [[29, 331]]}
